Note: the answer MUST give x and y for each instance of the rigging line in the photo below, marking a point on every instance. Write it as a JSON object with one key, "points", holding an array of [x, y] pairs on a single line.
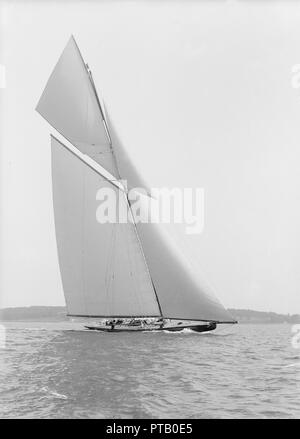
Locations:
{"points": [[88, 70], [160, 310], [107, 269], [83, 240], [115, 160], [136, 244], [143, 254], [131, 257], [98, 102], [102, 116], [111, 266], [134, 292]]}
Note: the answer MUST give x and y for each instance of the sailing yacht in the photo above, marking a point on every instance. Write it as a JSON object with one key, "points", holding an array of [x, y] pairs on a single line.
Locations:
{"points": [[124, 276]]}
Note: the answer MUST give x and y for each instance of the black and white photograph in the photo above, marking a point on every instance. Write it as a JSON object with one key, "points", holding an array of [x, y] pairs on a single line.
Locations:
{"points": [[149, 212]]}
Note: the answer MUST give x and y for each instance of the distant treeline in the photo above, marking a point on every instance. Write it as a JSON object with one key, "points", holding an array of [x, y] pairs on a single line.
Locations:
{"points": [[250, 316], [40, 313], [58, 314]]}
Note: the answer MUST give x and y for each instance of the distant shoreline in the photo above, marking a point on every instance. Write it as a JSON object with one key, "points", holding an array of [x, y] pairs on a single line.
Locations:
{"points": [[58, 314]]}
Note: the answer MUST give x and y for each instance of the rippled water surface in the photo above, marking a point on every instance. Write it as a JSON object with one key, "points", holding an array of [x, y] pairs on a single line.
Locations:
{"points": [[50, 370]]}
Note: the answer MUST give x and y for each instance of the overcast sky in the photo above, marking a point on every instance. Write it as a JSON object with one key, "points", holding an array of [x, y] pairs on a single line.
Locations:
{"points": [[200, 94]]}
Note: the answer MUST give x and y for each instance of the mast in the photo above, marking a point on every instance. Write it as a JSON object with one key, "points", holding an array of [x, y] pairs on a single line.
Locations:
{"points": [[126, 193]]}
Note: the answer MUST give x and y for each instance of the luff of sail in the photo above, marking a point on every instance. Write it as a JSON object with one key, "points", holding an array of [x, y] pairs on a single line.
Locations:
{"points": [[103, 270]]}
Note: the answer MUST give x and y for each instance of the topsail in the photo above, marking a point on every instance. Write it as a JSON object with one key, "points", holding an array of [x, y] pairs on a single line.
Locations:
{"points": [[71, 105], [109, 269]]}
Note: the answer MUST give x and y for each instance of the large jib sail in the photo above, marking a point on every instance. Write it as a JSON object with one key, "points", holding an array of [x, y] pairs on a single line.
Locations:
{"points": [[183, 294], [109, 269]]}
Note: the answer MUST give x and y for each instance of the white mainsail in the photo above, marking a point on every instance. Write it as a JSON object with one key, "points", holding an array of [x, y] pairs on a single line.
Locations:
{"points": [[110, 269], [102, 265]]}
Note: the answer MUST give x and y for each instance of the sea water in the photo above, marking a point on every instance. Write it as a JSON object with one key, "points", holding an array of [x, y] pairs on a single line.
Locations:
{"points": [[57, 370]]}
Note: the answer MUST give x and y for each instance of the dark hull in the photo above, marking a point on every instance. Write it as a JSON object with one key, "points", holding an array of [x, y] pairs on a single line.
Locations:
{"points": [[171, 328]]}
